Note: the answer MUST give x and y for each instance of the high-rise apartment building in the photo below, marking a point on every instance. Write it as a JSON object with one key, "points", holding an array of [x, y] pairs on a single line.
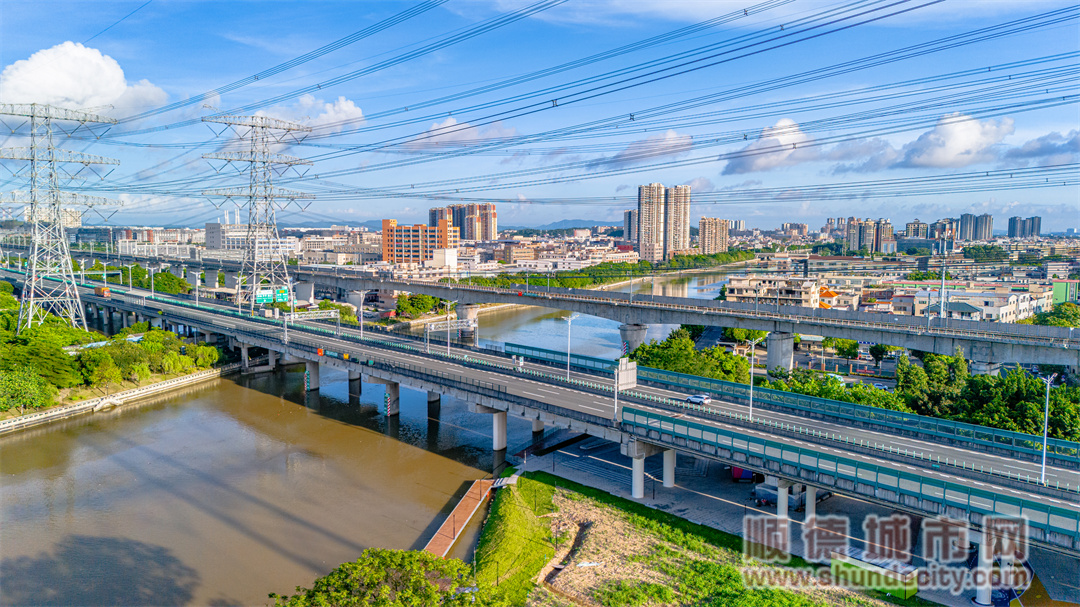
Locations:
{"points": [[473, 221], [984, 227], [1020, 227], [967, 227], [630, 225], [916, 229], [650, 214], [736, 225], [676, 220], [713, 235], [416, 243]]}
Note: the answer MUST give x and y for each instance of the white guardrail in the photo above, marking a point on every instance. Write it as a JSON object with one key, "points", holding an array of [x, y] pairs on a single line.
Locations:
{"points": [[119, 398]]}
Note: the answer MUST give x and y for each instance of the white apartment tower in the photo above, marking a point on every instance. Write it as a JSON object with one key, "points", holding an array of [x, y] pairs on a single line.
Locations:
{"points": [[650, 217], [713, 235], [676, 220]]}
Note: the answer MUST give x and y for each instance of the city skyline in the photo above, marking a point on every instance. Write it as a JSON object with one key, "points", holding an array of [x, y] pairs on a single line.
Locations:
{"points": [[375, 149]]}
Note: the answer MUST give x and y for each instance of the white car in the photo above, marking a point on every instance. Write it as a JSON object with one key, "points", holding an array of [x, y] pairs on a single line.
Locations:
{"points": [[699, 399]]}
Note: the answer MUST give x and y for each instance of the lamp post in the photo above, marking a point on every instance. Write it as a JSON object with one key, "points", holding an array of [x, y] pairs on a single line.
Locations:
{"points": [[129, 266], [1046, 424], [448, 325], [753, 358], [363, 294], [569, 320]]}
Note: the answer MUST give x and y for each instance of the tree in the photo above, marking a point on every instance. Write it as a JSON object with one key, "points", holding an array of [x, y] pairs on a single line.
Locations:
{"points": [[878, 352], [846, 348], [106, 374], [742, 335], [388, 578], [1066, 314], [140, 372], [21, 388], [206, 356]]}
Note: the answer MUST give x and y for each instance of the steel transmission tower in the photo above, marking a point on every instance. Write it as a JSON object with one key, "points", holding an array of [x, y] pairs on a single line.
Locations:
{"points": [[264, 255], [50, 282]]}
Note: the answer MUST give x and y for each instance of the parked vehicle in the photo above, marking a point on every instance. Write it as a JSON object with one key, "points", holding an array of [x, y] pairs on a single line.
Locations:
{"points": [[699, 399], [881, 387], [102, 292]]}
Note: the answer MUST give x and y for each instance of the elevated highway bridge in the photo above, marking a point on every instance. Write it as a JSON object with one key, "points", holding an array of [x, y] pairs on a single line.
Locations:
{"points": [[911, 470]]}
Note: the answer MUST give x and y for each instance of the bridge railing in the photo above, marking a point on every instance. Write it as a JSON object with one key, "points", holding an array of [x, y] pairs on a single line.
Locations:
{"points": [[1040, 515], [1068, 452]]}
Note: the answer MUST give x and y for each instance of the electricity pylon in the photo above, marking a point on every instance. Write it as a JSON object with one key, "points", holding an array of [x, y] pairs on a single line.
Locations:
{"points": [[265, 260], [50, 282]]}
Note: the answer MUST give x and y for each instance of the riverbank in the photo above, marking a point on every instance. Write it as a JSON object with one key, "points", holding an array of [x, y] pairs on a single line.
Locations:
{"points": [[110, 401]]}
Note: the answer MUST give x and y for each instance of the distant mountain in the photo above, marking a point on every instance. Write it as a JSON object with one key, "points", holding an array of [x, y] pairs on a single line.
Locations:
{"points": [[566, 224]]}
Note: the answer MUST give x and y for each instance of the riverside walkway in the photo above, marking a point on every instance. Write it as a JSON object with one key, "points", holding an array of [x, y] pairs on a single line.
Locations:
{"points": [[452, 527]]}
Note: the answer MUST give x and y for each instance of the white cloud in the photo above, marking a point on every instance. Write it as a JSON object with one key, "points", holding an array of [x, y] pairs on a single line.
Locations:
{"points": [[1052, 148], [314, 112], [701, 184], [777, 146], [451, 134], [74, 76], [957, 141], [669, 145]]}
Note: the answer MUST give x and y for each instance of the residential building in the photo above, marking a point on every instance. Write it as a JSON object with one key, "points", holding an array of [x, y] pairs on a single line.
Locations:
{"points": [[713, 235], [770, 290], [416, 243], [1020, 227], [676, 220], [967, 227], [437, 213], [650, 213], [69, 218], [916, 229], [630, 225], [984, 227]]}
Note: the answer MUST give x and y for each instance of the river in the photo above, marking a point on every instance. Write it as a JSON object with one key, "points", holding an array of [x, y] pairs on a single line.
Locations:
{"points": [[243, 486]]}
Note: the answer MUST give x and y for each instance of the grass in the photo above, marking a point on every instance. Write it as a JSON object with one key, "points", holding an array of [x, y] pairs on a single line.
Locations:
{"points": [[626, 593], [515, 543]]}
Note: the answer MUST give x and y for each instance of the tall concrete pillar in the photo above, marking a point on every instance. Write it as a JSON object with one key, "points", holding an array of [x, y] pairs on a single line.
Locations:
{"points": [[811, 504], [231, 279], [468, 312], [537, 426], [304, 292], [981, 368], [782, 499], [637, 483], [177, 271], [271, 359], [355, 298], [434, 397], [393, 398], [244, 357], [669, 468], [498, 434], [355, 376], [781, 350], [311, 375], [984, 569], [633, 335]]}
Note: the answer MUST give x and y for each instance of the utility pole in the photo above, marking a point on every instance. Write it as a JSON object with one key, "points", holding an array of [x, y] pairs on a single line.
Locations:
{"points": [[50, 280], [265, 264]]}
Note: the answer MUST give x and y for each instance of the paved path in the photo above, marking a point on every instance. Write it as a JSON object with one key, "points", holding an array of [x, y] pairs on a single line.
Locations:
{"points": [[454, 524]]}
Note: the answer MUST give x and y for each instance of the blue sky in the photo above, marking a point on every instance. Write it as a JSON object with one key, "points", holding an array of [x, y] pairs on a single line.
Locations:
{"points": [[168, 51]]}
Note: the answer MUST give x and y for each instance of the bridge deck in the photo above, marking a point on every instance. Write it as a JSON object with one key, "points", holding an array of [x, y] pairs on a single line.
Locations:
{"points": [[454, 524]]}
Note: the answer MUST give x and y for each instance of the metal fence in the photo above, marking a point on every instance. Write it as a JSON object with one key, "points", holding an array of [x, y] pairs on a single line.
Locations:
{"points": [[1040, 515]]}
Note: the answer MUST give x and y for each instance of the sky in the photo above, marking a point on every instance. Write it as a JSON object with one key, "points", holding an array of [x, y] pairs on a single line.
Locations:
{"points": [[559, 109]]}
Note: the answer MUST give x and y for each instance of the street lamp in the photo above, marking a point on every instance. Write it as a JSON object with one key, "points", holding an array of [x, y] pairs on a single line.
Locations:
{"points": [[129, 266], [363, 295], [753, 358], [448, 325], [1046, 424], [569, 320]]}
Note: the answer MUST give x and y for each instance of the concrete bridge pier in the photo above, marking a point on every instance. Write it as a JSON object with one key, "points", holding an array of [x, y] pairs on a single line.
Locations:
{"points": [[633, 335], [669, 468], [393, 399], [434, 398], [638, 451], [271, 359], [244, 357], [356, 298], [311, 376], [177, 271], [232, 280], [985, 566], [781, 348], [498, 438], [468, 312], [981, 368], [782, 492], [356, 383], [304, 292], [537, 426], [810, 507]]}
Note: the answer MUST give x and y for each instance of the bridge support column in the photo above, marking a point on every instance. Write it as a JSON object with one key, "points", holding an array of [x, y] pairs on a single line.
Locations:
{"points": [[311, 376], [537, 425], [638, 451], [468, 312], [669, 468], [244, 356], [811, 505], [231, 280], [304, 291], [633, 335], [434, 398], [271, 359], [356, 298], [781, 348], [393, 398], [983, 571], [498, 431], [782, 487], [356, 384], [981, 368]]}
